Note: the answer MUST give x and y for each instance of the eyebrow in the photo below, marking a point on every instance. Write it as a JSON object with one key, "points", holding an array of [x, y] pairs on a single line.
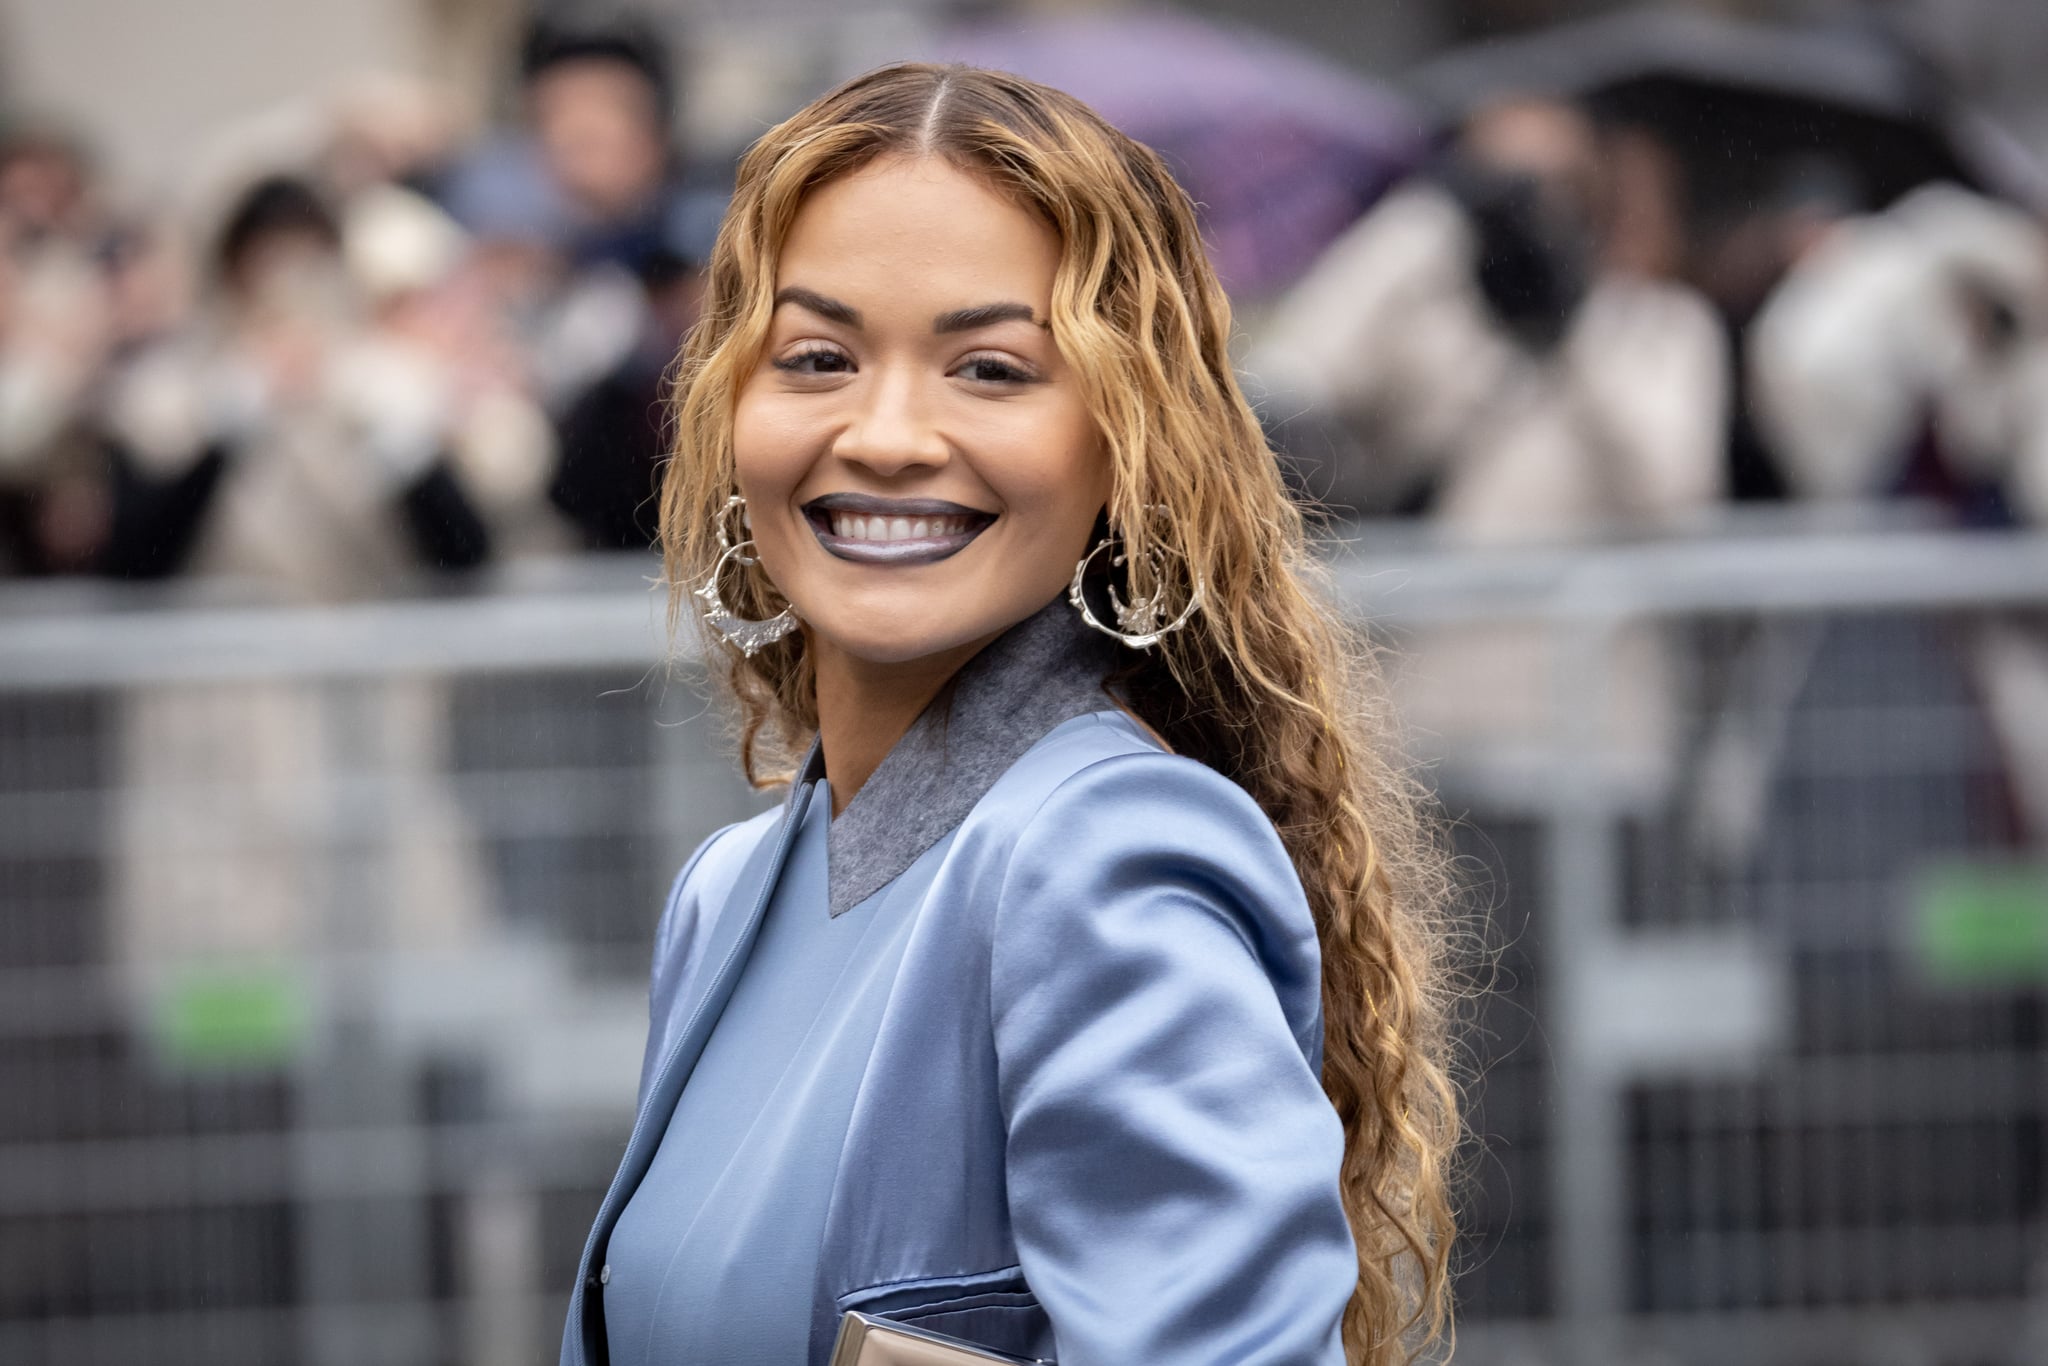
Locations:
{"points": [[983, 315], [957, 320], [827, 308]]}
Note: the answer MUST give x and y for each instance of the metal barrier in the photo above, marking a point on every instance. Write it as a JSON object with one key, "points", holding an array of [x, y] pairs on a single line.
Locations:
{"points": [[323, 939], [1769, 1083]]}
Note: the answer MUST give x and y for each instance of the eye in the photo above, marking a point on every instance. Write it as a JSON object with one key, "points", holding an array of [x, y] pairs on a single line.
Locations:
{"points": [[988, 367], [815, 359]]}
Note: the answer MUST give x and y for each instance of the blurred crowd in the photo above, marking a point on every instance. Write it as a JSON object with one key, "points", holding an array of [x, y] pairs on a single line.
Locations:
{"points": [[1533, 339], [378, 348], [395, 348]]}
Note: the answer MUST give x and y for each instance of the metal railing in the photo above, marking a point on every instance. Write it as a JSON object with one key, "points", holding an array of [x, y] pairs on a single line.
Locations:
{"points": [[325, 931]]}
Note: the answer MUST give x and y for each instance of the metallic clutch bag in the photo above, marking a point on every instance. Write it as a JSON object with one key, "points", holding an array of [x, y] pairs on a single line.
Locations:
{"points": [[865, 1341]]}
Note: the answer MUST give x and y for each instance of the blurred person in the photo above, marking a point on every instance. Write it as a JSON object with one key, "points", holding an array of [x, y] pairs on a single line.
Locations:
{"points": [[1468, 349], [309, 432], [1899, 357], [59, 323], [1906, 357], [591, 236], [56, 327], [319, 433], [1739, 261], [600, 104], [570, 211], [612, 435], [569, 325], [1489, 348], [413, 264], [46, 189], [594, 173]]}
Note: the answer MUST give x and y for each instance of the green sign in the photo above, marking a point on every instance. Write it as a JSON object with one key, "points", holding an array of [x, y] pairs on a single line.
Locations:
{"points": [[1982, 925], [228, 1018]]}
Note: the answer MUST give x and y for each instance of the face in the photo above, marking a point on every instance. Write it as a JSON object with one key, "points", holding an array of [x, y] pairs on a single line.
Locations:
{"points": [[291, 275], [920, 469], [40, 188], [599, 126]]}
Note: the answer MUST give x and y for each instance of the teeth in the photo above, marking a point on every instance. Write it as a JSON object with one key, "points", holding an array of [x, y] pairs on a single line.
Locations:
{"points": [[852, 527]]}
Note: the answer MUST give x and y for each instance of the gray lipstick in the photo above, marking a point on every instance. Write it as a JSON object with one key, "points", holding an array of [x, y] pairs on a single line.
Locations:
{"points": [[897, 550]]}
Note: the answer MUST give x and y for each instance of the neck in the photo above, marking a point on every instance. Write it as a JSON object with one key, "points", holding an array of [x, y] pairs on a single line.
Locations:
{"points": [[864, 708]]}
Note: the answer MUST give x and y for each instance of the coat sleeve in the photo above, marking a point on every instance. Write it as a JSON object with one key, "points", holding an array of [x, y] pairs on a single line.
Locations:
{"points": [[1155, 993]]}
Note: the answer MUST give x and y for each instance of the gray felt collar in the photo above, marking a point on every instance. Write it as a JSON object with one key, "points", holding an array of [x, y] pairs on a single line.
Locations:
{"points": [[1046, 669]]}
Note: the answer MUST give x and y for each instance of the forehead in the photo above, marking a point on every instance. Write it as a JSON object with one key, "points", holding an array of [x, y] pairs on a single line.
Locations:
{"points": [[911, 231], [585, 81]]}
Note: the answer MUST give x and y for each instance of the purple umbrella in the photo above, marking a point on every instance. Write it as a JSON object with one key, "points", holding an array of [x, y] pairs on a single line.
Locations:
{"points": [[1281, 149]]}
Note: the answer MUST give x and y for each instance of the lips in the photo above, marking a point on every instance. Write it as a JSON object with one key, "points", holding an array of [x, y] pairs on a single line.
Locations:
{"points": [[893, 531]]}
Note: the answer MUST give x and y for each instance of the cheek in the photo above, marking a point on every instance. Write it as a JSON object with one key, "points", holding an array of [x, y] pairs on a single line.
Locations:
{"points": [[770, 450], [1073, 484], [1054, 481], [770, 461]]}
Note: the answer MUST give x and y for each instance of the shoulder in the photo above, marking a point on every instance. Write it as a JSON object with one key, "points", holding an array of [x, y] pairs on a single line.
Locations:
{"points": [[1099, 775], [1114, 846], [703, 887], [1086, 760], [718, 860]]}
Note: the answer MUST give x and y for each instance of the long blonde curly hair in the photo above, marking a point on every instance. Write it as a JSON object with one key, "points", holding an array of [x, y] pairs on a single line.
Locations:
{"points": [[1266, 683]]}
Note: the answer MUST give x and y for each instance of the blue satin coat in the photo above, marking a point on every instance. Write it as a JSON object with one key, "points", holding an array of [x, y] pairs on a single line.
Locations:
{"points": [[1091, 1126]]}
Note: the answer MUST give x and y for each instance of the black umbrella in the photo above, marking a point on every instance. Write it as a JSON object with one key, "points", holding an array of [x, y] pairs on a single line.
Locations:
{"points": [[1741, 102]]}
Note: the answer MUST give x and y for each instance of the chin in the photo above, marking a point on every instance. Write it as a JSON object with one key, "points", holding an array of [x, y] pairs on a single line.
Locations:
{"points": [[882, 641], [903, 632]]}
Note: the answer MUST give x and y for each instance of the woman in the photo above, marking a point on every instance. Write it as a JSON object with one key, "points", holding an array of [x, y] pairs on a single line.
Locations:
{"points": [[1010, 1022]]}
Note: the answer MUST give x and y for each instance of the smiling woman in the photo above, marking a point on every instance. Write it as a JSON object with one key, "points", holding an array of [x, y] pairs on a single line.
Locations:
{"points": [[1081, 1000]]}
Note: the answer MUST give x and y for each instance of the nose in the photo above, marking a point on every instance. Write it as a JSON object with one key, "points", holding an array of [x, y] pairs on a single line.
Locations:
{"points": [[890, 430]]}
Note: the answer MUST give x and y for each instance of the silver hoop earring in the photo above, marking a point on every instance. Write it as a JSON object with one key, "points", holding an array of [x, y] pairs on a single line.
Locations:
{"points": [[1140, 623], [742, 633]]}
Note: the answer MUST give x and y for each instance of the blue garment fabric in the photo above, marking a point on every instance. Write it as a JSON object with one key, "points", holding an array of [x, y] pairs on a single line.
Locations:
{"points": [[1088, 1124], [715, 1255]]}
